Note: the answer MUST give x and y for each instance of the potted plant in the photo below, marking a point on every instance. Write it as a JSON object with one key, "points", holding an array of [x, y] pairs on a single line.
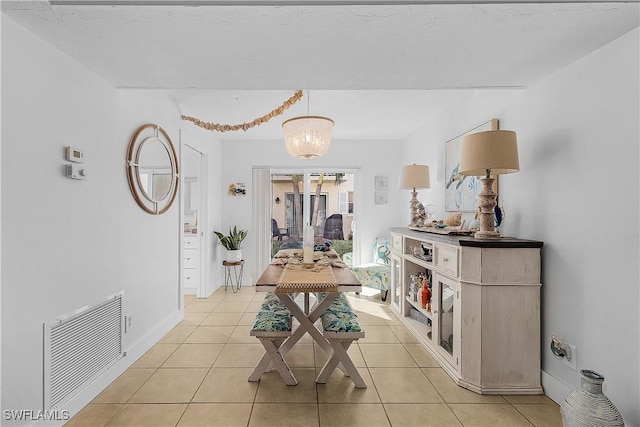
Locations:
{"points": [[232, 242]]}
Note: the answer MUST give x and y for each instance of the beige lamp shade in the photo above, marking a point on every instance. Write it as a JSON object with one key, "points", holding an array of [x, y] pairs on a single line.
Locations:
{"points": [[414, 176], [496, 150], [307, 137]]}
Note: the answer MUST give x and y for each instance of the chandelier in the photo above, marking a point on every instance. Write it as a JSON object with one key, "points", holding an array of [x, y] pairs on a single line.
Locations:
{"points": [[307, 137]]}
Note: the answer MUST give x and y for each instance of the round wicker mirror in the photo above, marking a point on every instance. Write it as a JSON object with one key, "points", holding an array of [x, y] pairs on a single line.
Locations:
{"points": [[152, 169]]}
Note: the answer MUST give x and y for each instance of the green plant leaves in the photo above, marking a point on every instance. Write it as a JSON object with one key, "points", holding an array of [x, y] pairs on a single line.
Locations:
{"points": [[232, 241]]}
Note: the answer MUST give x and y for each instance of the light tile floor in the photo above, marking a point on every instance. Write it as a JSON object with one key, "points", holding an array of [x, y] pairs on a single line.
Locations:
{"points": [[197, 376]]}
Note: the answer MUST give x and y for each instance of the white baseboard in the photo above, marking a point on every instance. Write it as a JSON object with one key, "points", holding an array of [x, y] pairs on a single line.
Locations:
{"points": [[555, 389], [132, 353]]}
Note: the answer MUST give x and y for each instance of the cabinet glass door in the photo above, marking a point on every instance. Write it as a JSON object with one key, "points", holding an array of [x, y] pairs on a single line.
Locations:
{"points": [[445, 316], [396, 288]]}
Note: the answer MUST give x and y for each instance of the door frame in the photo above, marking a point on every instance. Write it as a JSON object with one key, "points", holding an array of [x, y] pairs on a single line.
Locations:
{"points": [[263, 196], [205, 287]]}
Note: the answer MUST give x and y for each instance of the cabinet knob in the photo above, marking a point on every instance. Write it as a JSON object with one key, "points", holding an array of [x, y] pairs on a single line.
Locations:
{"points": [[445, 259]]}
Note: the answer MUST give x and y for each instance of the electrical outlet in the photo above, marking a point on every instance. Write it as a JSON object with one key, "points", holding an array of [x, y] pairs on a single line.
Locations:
{"points": [[571, 360], [127, 324]]}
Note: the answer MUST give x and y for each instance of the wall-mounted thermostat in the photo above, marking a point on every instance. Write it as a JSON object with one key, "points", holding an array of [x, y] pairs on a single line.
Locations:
{"points": [[73, 154]]}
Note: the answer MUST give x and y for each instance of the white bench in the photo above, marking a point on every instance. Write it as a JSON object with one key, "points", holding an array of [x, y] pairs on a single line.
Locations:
{"points": [[341, 327], [272, 326]]}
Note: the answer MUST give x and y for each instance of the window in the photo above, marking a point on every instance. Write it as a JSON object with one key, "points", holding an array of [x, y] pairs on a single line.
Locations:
{"points": [[331, 216]]}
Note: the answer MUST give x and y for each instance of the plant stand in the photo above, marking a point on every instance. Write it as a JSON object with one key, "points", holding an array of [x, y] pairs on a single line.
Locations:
{"points": [[233, 274]]}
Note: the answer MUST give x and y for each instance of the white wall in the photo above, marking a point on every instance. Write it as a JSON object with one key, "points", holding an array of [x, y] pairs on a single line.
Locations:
{"points": [[578, 192], [67, 243], [372, 157]]}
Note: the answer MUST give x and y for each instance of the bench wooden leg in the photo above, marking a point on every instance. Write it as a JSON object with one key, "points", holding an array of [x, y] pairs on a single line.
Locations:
{"points": [[340, 348], [306, 323], [272, 348]]}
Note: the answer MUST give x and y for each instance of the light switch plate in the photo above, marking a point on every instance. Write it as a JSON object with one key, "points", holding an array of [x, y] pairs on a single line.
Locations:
{"points": [[75, 171]]}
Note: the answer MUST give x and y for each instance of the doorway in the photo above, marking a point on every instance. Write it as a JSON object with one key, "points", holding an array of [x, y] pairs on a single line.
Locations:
{"points": [[319, 198], [194, 215], [270, 226]]}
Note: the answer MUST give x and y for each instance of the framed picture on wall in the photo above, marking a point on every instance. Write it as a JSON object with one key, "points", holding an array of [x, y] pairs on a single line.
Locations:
{"points": [[461, 192], [382, 182]]}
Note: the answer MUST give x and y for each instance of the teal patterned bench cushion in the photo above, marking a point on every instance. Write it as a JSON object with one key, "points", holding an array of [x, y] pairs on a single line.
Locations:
{"points": [[268, 321], [339, 316], [340, 321], [275, 306], [340, 304], [271, 296]]}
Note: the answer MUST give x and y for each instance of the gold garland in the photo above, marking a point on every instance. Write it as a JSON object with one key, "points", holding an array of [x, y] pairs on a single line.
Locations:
{"points": [[244, 126]]}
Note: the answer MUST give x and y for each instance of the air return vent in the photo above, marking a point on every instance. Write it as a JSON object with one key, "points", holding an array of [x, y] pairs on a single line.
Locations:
{"points": [[80, 346]]}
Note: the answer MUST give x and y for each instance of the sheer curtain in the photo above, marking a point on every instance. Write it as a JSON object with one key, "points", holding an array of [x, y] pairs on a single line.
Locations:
{"points": [[261, 224]]}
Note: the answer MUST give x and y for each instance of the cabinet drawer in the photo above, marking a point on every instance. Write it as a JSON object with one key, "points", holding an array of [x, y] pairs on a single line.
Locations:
{"points": [[191, 242], [396, 242], [191, 277], [447, 259], [191, 258]]}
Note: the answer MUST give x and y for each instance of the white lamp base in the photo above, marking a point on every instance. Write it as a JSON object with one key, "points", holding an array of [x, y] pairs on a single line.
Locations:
{"points": [[418, 214], [487, 204]]}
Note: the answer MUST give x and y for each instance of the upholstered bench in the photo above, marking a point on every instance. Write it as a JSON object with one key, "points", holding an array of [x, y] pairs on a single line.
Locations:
{"points": [[272, 326], [341, 327]]}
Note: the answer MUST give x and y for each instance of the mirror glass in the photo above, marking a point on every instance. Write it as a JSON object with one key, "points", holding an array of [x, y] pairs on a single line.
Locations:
{"points": [[152, 169]]}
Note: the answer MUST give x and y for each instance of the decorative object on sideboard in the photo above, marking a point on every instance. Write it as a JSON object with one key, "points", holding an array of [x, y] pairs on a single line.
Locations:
{"points": [[413, 177], [307, 137], [425, 295], [429, 211], [152, 169], [588, 406], [474, 225], [461, 193], [453, 219], [490, 153], [232, 243]]}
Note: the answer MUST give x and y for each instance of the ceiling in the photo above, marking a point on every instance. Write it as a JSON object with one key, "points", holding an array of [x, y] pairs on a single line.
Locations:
{"points": [[379, 70]]}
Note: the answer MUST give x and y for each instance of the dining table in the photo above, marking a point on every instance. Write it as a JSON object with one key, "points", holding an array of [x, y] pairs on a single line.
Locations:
{"points": [[328, 276]]}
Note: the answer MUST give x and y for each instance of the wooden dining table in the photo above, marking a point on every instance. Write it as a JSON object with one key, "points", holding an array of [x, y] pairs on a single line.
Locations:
{"points": [[345, 281]]}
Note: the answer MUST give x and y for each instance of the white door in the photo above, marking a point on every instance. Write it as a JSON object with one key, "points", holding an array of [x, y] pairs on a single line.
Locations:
{"points": [[193, 221]]}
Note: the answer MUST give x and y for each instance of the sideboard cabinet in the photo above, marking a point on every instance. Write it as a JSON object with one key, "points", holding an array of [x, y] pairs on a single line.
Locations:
{"points": [[482, 323]]}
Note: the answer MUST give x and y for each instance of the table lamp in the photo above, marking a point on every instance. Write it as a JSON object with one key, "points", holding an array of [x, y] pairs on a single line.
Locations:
{"points": [[412, 177], [493, 152]]}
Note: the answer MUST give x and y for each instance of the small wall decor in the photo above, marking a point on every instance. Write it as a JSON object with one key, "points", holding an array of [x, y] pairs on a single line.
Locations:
{"points": [[461, 192], [382, 183], [237, 189], [382, 190], [382, 197]]}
